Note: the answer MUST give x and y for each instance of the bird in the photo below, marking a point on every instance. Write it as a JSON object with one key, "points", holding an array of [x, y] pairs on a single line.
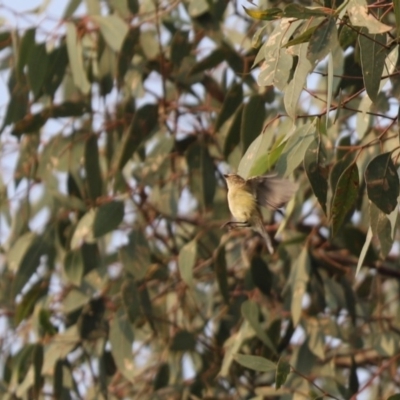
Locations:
{"points": [[245, 196]]}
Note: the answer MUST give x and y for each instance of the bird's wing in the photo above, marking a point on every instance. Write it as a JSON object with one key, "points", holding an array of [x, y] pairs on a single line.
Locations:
{"points": [[272, 191]]}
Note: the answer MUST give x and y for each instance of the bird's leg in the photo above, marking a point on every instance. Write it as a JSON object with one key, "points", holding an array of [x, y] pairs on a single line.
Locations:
{"points": [[236, 224]]}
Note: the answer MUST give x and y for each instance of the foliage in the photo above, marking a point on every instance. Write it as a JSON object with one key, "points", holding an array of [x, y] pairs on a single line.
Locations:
{"points": [[117, 280]]}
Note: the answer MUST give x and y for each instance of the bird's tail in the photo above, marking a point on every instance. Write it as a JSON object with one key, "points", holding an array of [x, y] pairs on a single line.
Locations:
{"points": [[259, 227]]}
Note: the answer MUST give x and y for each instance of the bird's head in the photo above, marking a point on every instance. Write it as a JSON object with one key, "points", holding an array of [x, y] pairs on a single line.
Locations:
{"points": [[234, 180]]}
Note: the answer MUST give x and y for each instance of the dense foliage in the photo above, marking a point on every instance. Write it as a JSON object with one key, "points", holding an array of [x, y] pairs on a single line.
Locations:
{"points": [[117, 281]]}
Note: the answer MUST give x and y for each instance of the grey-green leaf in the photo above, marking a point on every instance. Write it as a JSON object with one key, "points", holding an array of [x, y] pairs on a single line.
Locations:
{"points": [[187, 260], [255, 362], [108, 217], [295, 148], [344, 196], [317, 171], [382, 182], [251, 313], [373, 55]]}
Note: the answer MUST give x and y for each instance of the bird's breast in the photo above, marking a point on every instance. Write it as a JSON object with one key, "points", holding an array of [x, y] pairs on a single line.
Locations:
{"points": [[242, 204]]}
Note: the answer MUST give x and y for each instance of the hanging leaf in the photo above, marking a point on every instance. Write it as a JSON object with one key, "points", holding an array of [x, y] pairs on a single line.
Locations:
{"points": [[344, 197], [255, 362], [254, 114], [144, 122], [381, 228], [298, 279], [282, 372], [74, 267], [270, 14], [317, 171], [130, 299], [301, 12], [233, 134], [135, 256], [201, 174], [251, 314], [295, 149], [74, 47], [113, 28], [233, 98], [187, 260], [121, 340], [221, 273], [322, 41], [92, 166], [373, 54], [382, 182], [108, 218]]}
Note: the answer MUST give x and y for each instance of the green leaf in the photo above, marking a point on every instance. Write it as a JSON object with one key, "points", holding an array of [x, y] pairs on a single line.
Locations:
{"points": [[261, 275], [277, 64], [364, 251], [295, 86], [121, 340], [166, 198], [344, 197], [221, 273], [187, 260], [282, 372], [295, 148], [133, 6], [37, 361], [322, 41], [162, 377], [233, 134], [233, 99], [253, 118], [92, 166], [71, 8], [255, 362], [394, 397], [253, 162], [26, 306], [183, 341], [74, 267], [26, 46], [113, 28], [298, 280], [381, 228], [144, 122], [265, 15], [373, 55], [37, 68], [251, 313], [83, 232], [56, 66], [396, 6], [201, 174], [108, 218], [382, 182], [357, 10], [130, 299], [74, 47], [24, 257], [298, 11], [304, 37], [180, 47], [317, 172], [129, 47], [135, 256], [17, 106], [215, 58]]}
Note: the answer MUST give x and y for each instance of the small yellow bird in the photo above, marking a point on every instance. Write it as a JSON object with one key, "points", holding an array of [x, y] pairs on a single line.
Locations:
{"points": [[245, 196]]}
